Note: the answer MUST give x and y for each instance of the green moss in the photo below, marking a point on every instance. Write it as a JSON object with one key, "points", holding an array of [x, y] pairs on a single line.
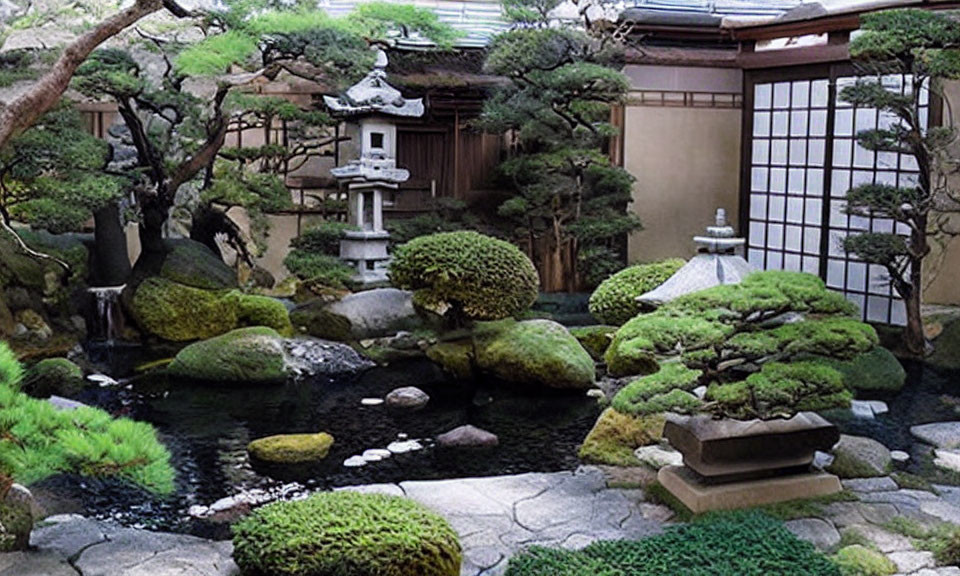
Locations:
{"points": [[727, 544], [38, 441], [315, 318], [859, 560], [657, 494], [455, 357], [291, 448], [53, 376], [615, 436], [241, 356], [262, 311], [320, 269], [346, 534], [535, 352], [942, 539], [16, 521], [877, 370], [670, 389], [180, 313], [193, 264], [845, 465], [479, 277], [946, 346], [615, 300], [594, 339], [781, 389]]}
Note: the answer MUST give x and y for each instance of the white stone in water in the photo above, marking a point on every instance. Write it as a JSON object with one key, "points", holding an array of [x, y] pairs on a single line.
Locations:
{"points": [[198, 511], [376, 454], [861, 409], [402, 436], [102, 379], [594, 393], [899, 456], [354, 462], [223, 504], [371, 401], [878, 407], [403, 446]]}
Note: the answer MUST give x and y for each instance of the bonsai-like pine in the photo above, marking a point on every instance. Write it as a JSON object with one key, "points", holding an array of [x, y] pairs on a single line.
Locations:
{"points": [[615, 299], [38, 441], [567, 193], [346, 534], [922, 46], [767, 347], [314, 257], [466, 275]]}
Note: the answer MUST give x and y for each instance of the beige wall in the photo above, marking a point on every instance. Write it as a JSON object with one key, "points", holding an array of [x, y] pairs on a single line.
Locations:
{"points": [[687, 164], [943, 267]]}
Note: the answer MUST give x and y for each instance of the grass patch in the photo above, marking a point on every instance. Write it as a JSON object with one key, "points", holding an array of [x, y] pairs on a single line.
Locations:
{"points": [[943, 539], [657, 494]]}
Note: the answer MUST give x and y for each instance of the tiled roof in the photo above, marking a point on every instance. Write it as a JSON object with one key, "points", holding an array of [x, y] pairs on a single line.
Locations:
{"points": [[719, 7]]}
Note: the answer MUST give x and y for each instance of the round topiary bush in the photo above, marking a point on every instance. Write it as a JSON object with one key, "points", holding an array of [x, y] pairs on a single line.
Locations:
{"points": [[614, 300], [346, 534], [475, 276]]}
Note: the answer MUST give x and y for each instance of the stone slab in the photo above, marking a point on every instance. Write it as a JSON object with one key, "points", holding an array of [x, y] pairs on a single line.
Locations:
{"points": [[698, 497]]}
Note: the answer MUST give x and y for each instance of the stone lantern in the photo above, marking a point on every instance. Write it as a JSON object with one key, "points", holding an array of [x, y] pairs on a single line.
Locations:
{"points": [[370, 108]]}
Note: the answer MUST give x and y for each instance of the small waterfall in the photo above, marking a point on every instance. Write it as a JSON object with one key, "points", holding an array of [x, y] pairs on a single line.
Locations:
{"points": [[108, 322]]}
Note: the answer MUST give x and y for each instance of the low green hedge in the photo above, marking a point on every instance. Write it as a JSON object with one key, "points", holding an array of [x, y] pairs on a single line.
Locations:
{"points": [[615, 299], [479, 277], [346, 534], [729, 544]]}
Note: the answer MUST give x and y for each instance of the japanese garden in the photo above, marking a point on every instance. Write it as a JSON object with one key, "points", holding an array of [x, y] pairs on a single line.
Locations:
{"points": [[479, 288]]}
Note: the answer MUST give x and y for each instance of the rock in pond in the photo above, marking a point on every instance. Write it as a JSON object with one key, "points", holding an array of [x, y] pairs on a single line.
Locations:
{"points": [[53, 376], [860, 457], [939, 434], [367, 314], [291, 448], [536, 352], [408, 397], [467, 437], [261, 355]]}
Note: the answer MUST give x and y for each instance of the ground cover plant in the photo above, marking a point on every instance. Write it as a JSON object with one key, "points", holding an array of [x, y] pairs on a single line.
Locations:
{"points": [[723, 544], [615, 299], [39, 440], [346, 534]]}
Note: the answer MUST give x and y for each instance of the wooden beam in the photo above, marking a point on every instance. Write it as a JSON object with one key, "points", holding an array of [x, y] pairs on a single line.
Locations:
{"points": [[794, 56]]}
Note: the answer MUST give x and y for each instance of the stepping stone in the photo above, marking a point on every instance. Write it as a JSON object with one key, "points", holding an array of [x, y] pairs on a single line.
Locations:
{"points": [[861, 409], [947, 459], [911, 561], [820, 533], [939, 434], [881, 484], [885, 541]]}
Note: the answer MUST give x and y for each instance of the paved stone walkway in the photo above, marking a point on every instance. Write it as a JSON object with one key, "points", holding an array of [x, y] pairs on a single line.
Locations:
{"points": [[495, 517]]}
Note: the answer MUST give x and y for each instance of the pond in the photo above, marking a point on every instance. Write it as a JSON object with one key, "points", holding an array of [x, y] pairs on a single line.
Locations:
{"points": [[207, 429]]}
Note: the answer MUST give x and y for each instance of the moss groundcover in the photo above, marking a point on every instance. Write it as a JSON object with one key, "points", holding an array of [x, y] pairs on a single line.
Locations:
{"points": [[733, 544]]}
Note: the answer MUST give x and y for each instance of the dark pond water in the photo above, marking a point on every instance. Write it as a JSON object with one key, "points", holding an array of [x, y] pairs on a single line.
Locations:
{"points": [[928, 396], [207, 430]]}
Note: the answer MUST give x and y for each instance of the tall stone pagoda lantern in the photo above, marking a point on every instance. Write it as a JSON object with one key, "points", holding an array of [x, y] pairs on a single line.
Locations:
{"points": [[370, 108]]}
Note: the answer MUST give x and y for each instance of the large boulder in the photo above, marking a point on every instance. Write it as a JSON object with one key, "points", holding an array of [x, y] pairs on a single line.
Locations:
{"points": [[455, 357], [539, 352], [615, 437], [261, 355], [241, 356], [193, 264], [368, 314], [291, 448], [860, 457], [180, 313], [53, 377]]}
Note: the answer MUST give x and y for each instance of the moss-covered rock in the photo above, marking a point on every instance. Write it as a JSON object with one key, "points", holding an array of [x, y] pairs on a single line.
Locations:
{"points": [[860, 457], [346, 534], [594, 339], [316, 319], [16, 522], [181, 313], [875, 371], [615, 437], [291, 448], [540, 352], [455, 357], [615, 299], [946, 346], [192, 264], [246, 355], [472, 275], [858, 560], [53, 377]]}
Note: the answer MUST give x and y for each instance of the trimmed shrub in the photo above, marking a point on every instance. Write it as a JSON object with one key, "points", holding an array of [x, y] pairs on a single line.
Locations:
{"points": [[730, 544], [615, 299], [346, 534], [324, 238], [319, 268], [615, 436], [477, 276], [876, 371], [668, 389], [38, 441]]}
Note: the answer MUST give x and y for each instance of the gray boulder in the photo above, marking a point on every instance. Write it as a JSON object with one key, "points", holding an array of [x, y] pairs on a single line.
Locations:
{"points": [[467, 437], [368, 314], [408, 397], [860, 457], [939, 434]]}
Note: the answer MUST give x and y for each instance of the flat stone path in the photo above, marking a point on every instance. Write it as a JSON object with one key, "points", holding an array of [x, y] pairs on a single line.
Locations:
{"points": [[495, 518]]}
